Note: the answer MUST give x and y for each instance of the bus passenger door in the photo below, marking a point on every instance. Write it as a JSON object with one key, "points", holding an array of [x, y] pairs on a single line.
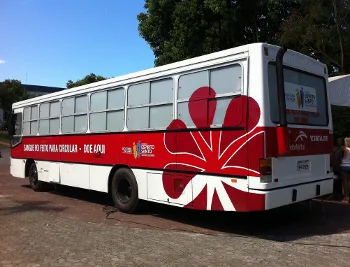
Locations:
{"points": [[16, 153]]}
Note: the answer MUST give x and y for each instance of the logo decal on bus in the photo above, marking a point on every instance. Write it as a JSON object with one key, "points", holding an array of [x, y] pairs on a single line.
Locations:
{"points": [[212, 152], [301, 136], [142, 149], [300, 97], [137, 149]]}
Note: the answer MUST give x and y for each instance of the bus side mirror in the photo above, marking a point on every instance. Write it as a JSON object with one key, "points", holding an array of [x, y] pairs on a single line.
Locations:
{"points": [[11, 125]]}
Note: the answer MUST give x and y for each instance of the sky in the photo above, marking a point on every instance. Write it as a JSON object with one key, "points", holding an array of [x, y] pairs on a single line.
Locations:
{"points": [[48, 42]]}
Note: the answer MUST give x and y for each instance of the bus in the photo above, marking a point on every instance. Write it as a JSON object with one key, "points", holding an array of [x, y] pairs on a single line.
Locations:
{"points": [[244, 129]]}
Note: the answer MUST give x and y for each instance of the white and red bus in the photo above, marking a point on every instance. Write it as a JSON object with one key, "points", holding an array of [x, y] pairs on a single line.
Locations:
{"points": [[245, 129]]}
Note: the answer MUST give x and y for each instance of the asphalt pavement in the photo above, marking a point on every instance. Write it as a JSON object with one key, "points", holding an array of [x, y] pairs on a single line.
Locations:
{"points": [[72, 227]]}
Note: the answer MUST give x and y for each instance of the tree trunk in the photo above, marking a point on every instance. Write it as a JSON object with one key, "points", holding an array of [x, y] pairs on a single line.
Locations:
{"points": [[256, 30]]}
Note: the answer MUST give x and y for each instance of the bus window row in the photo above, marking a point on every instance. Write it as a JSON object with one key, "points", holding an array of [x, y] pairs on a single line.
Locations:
{"points": [[149, 105]]}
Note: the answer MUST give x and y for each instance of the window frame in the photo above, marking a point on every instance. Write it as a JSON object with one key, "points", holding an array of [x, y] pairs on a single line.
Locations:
{"points": [[75, 114], [49, 118], [106, 110], [230, 96], [273, 63], [173, 103], [30, 121], [150, 104]]}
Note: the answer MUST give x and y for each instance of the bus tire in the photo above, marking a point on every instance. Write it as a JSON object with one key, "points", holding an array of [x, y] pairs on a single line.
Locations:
{"points": [[35, 184], [124, 191]]}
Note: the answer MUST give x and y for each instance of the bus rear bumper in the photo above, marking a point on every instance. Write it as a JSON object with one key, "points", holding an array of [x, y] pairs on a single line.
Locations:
{"points": [[292, 194]]}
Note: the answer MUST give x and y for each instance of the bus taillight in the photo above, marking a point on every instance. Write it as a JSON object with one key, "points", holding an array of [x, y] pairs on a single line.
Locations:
{"points": [[282, 140], [265, 170]]}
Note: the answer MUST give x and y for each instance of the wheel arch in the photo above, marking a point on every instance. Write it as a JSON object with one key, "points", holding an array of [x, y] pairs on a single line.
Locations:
{"points": [[29, 162]]}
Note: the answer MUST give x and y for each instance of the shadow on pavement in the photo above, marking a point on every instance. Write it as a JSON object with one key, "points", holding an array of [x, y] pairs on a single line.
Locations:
{"points": [[81, 194], [28, 206], [284, 224]]}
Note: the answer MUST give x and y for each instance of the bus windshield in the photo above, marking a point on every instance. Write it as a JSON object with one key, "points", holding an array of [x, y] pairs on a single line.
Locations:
{"points": [[305, 94]]}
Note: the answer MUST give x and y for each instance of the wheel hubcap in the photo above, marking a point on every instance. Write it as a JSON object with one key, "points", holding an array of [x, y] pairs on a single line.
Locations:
{"points": [[33, 176], [124, 191]]}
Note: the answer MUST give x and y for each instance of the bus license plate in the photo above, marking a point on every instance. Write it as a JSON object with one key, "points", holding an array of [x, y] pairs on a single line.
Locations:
{"points": [[303, 165]]}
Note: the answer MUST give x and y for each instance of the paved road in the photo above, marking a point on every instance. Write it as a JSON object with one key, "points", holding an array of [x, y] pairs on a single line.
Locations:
{"points": [[70, 228]]}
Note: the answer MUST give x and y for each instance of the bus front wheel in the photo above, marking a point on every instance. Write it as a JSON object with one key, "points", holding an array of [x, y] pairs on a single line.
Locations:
{"points": [[35, 184], [124, 191]]}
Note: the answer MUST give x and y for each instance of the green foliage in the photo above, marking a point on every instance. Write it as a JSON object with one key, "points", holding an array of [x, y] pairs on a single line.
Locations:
{"points": [[320, 28], [181, 29], [90, 78], [11, 91]]}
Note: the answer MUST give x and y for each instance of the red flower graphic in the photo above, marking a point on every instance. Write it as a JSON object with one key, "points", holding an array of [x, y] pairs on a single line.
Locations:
{"points": [[212, 151]]}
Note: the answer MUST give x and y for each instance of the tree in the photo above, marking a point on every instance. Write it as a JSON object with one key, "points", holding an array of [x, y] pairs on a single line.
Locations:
{"points": [[90, 78], [320, 28], [181, 29], [11, 91]]}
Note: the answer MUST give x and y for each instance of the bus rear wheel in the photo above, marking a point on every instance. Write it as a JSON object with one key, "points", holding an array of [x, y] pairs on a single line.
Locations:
{"points": [[124, 191], [35, 184]]}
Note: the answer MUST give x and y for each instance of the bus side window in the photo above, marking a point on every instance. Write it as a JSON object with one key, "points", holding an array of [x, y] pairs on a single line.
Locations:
{"points": [[30, 120], [74, 114], [227, 83], [49, 118], [206, 109], [150, 105], [107, 110]]}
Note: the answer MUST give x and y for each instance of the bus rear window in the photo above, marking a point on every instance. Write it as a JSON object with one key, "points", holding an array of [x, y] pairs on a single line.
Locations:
{"points": [[306, 97]]}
